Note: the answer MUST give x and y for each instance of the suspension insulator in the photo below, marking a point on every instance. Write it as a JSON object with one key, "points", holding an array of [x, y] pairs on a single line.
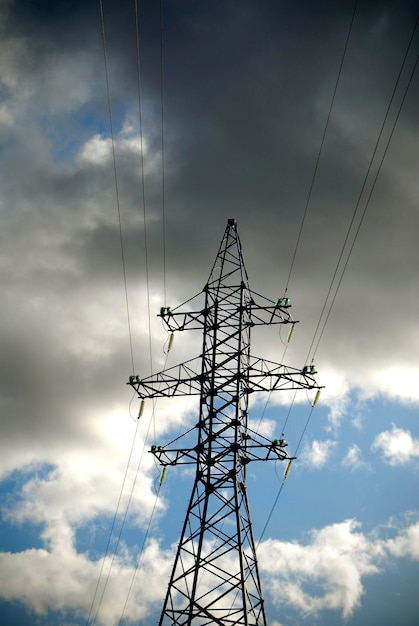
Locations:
{"points": [[316, 398], [141, 409], [290, 334], [287, 469], [163, 475], [169, 347]]}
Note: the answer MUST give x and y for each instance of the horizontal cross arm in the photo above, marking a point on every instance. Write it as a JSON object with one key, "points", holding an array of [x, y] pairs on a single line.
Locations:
{"points": [[263, 375], [180, 380]]}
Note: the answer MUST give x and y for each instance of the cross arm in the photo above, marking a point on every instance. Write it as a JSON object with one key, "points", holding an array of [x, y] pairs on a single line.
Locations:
{"points": [[251, 446], [266, 311], [263, 375], [259, 375], [259, 310], [179, 380]]}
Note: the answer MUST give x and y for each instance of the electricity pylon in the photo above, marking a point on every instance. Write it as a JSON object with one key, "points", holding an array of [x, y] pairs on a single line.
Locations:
{"points": [[215, 577]]}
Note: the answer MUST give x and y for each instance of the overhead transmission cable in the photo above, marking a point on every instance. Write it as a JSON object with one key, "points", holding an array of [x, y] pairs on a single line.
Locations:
{"points": [[127, 309], [139, 557], [140, 114], [313, 179], [124, 519], [362, 192], [163, 151], [128, 504], [152, 420], [110, 538], [359, 225], [126, 295], [360, 197], [353, 240], [138, 560], [121, 240]]}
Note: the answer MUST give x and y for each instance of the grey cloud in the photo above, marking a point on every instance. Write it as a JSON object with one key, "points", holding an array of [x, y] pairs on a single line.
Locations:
{"points": [[247, 89]]}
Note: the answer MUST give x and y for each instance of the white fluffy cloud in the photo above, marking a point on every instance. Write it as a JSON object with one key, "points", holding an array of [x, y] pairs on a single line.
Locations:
{"points": [[397, 446], [336, 560], [406, 544], [83, 490], [69, 579], [317, 453], [98, 149], [353, 458]]}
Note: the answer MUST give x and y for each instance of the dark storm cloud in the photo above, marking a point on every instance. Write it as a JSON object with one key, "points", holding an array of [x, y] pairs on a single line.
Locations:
{"points": [[241, 136], [247, 90]]}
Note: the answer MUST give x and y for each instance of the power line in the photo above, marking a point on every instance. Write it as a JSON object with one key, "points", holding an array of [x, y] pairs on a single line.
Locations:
{"points": [[162, 150], [352, 245], [321, 146], [152, 420], [140, 555], [313, 179], [140, 113], [105, 56], [118, 541], [126, 299], [127, 508], [109, 539], [275, 502], [366, 207], [126, 302], [367, 175], [126, 511]]}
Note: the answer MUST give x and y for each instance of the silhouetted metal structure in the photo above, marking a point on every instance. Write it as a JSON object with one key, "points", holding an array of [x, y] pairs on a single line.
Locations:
{"points": [[215, 578]]}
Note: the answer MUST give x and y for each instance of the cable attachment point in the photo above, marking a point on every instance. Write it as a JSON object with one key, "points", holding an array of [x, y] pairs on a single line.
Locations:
{"points": [[283, 302]]}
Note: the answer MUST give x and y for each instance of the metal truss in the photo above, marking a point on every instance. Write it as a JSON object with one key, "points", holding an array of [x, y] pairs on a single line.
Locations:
{"points": [[215, 577]]}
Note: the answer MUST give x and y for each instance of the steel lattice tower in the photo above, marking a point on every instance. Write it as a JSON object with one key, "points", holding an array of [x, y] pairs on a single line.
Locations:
{"points": [[215, 578]]}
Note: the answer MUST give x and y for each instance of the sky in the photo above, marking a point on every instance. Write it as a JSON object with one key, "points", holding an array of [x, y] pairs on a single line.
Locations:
{"points": [[269, 114]]}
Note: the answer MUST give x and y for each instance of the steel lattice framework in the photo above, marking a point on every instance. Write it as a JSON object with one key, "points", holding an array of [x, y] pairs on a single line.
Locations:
{"points": [[215, 578]]}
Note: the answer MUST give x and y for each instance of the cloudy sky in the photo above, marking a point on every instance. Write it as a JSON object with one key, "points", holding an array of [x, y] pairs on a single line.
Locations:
{"points": [[249, 89]]}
